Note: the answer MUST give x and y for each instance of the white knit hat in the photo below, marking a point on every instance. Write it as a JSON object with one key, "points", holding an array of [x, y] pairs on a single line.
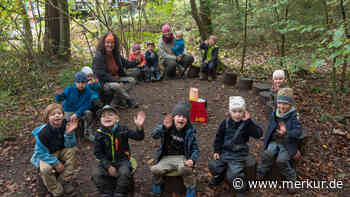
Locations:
{"points": [[278, 73], [87, 70], [236, 102]]}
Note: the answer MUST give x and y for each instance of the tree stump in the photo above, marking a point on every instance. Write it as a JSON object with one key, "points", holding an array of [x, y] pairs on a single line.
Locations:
{"points": [[245, 84], [230, 78], [259, 87], [173, 187], [193, 72], [265, 96]]}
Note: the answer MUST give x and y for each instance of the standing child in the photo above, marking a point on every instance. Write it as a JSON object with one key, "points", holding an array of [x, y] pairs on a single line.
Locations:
{"points": [[77, 101], [152, 63], [281, 137], [139, 58], [54, 150], [230, 145], [94, 85], [178, 151], [114, 173], [179, 49], [210, 59]]}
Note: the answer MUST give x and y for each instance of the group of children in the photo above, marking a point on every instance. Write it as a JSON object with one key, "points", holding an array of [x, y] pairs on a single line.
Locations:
{"points": [[178, 151]]}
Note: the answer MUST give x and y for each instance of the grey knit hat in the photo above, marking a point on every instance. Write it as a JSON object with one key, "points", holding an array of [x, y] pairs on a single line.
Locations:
{"points": [[182, 108], [286, 95]]}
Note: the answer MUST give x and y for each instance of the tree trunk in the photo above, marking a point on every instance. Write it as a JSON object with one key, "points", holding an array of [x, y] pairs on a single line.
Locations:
{"points": [[64, 46], [205, 15], [52, 27], [28, 36], [244, 35], [345, 64], [325, 11], [202, 25]]}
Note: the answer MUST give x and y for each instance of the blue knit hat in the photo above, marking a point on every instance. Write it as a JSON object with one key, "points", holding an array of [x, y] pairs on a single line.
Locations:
{"points": [[80, 77]]}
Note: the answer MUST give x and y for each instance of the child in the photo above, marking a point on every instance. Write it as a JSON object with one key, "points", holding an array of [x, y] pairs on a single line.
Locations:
{"points": [[152, 63], [230, 145], [179, 49], [278, 78], [210, 59], [77, 101], [54, 150], [139, 58], [178, 151], [280, 140], [95, 87], [113, 174]]}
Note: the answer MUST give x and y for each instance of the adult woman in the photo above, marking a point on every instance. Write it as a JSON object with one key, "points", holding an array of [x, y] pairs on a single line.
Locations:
{"points": [[108, 66], [167, 55]]}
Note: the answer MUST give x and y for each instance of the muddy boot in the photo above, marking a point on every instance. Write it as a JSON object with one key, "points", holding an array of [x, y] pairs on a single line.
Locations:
{"points": [[68, 187], [203, 76], [132, 103]]}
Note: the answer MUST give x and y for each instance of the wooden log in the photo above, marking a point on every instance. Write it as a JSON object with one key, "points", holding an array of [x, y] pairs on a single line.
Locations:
{"points": [[259, 87], [173, 186], [264, 97], [193, 72], [230, 78], [245, 84]]}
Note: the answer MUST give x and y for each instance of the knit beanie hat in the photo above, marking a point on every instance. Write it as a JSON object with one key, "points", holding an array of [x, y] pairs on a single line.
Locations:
{"points": [[80, 77], [136, 47], [278, 73], [107, 108], [236, 102], [87, 70], [182, 108], [166, 28], [285, 95]]}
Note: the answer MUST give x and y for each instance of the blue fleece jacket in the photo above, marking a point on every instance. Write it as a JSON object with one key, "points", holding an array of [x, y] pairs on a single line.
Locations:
{"points": [[179, 47], [95, 89], [74, 100], [42, 153]]}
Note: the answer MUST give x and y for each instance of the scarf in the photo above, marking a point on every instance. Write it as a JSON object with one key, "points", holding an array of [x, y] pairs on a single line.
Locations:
{"points": [[111, 64], [168, 40]]}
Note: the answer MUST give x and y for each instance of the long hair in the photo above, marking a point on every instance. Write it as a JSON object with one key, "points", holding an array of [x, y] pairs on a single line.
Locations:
{"points": [[116, 51]]}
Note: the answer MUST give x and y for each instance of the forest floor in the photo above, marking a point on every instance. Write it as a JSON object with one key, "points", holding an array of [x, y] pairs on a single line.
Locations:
{"points": [[326, 155]]}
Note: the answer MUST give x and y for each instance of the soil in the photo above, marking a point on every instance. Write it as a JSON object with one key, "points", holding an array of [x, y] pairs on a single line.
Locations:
{"points": [[18, 176]]}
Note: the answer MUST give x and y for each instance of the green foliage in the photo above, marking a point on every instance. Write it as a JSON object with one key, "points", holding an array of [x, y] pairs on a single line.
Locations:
{"points": [[66, 76]]}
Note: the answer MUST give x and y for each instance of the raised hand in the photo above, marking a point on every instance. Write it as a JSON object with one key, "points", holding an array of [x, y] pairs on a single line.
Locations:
{"points": [[59, 168], [189, 163], [283, 128], [71, 125], [246, 116], [168, 121], [112, 171], [59, 91], [216, 156], [140, 119], [73, 117]]}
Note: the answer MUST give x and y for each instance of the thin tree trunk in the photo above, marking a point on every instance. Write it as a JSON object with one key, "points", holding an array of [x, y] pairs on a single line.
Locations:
{"points": [[345, 64], [204, 13], [64, 47], [52, 26], [244, 35], [325, 11], [28, 36], [334, 84], [197, 18]]}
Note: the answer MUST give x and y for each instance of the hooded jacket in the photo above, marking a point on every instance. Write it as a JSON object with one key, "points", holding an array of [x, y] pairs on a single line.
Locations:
{"points": [[74, 100], [48, 140], [214, 53], [190, 142], [112, 145], [294, 131]]}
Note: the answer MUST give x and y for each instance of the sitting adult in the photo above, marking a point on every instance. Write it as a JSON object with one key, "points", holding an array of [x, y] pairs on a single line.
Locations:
{"points": [[168, 57], [108, 66]]}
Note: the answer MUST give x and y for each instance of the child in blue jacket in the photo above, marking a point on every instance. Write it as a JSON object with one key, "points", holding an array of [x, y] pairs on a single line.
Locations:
{"points": [[54, 150], [281, 137], [179, 49], [77, 101]]}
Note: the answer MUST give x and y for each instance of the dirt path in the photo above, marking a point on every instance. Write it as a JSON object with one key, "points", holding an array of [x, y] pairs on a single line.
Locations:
{"points": [[17, 175]]}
